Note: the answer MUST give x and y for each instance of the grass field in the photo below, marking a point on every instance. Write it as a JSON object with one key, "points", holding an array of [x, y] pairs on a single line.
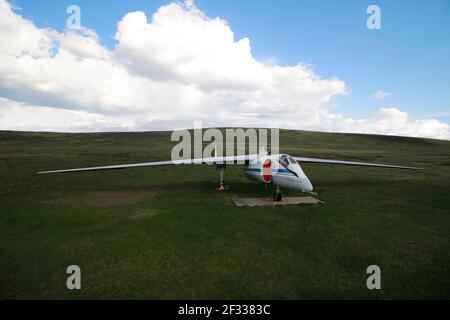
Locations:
{"points": [[167, 233]]}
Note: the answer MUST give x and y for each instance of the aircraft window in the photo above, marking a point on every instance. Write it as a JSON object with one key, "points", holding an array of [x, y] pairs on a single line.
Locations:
{"points": [[284, 161], [292, 160]]}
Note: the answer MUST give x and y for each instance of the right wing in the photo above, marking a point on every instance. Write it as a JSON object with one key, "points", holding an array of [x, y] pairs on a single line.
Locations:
{"points": [[350, 163], [213, 160]]}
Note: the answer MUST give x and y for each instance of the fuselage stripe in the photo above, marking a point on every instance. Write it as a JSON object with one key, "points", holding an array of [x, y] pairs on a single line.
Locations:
{"points": [[276, 171]]}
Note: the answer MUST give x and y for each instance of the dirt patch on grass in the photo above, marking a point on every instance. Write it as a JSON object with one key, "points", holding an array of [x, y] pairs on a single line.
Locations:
{"points": [[109, 198], [143, 213]]}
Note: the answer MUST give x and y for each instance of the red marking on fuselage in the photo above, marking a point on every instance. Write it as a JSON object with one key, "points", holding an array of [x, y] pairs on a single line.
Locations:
{"points": [[267, 175]]}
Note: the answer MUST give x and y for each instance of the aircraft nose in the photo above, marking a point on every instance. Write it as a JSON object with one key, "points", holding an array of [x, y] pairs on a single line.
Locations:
{"points": [[306, 185]]}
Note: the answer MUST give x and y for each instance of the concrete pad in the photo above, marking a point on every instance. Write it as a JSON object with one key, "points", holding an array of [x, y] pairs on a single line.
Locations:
{"points": [[258, 202]]}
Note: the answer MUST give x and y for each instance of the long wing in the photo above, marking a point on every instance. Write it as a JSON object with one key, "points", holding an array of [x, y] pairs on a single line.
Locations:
{"points": [[220, 160], [350, 163]]}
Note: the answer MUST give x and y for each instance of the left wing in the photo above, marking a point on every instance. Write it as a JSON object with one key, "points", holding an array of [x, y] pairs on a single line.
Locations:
{"points": [[227, 160], [351, 163]]}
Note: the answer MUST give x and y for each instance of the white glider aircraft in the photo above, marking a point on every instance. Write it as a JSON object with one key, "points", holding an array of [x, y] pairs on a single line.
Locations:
{"points": [[280, 170]]}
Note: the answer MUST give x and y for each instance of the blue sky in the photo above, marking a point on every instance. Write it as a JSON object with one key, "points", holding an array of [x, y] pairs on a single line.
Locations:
{"points": [[161, 65], [409, 57]]}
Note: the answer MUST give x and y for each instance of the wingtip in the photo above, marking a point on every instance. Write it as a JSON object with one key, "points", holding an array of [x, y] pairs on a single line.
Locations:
{"points": [[44, 172]]}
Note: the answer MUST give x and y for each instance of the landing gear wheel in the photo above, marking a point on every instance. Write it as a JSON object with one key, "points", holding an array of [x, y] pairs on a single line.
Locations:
{"points": [[278, 196], [221, 168]]}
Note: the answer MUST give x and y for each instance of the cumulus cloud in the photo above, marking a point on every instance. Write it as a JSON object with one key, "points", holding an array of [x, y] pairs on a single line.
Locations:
{"points": [[20, 116], [392, 121], [381, 94], [165, 72]]}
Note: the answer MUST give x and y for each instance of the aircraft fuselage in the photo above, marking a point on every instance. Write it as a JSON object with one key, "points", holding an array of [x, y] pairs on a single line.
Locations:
{"points": [[281, 170]]}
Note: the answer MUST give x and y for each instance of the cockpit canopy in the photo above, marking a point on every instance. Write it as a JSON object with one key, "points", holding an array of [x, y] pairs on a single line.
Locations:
{"points": [[285, 160]]}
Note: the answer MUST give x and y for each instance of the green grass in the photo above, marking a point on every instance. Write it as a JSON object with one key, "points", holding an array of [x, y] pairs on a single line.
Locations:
{"points": [[167, 233]]}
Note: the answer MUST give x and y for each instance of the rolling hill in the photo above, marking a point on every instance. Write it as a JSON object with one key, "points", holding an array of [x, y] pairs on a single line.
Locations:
{"points": [[166, 233]]}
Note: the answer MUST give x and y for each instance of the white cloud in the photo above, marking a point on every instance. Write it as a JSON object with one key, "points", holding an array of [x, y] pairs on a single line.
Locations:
{"points": [[392, 121], [164, 73], [381, 94], [19, 116]]}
